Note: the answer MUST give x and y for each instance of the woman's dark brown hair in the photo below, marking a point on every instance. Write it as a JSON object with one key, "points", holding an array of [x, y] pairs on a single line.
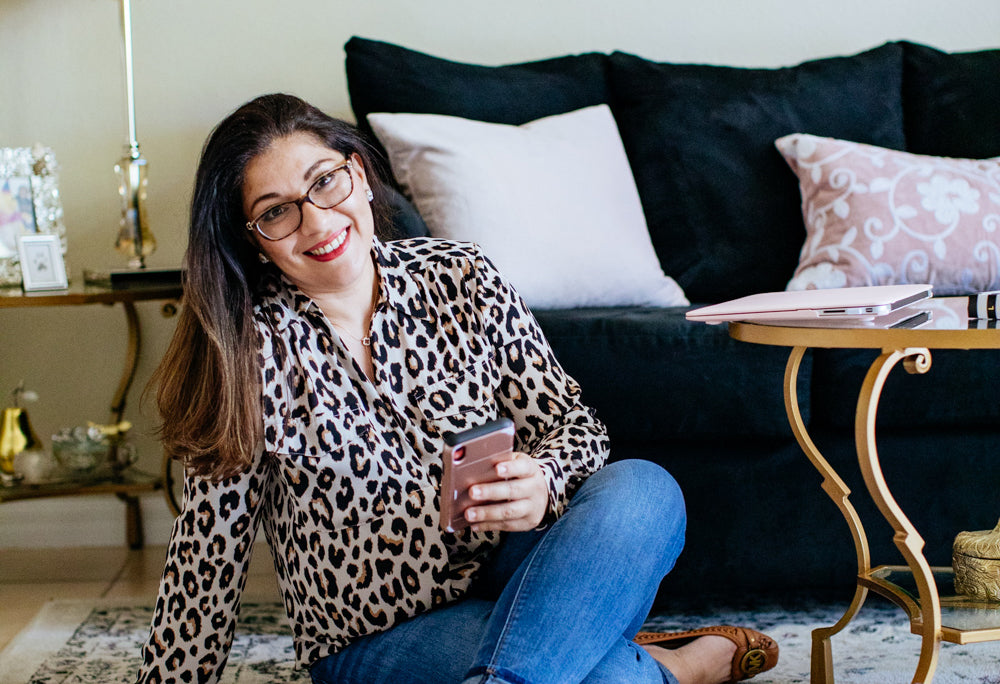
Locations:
{"points": [[208, 385]]}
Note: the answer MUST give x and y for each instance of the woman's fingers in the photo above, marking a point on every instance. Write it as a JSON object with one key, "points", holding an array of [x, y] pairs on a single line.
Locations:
{"points": [[506, 512], [516, 501]]}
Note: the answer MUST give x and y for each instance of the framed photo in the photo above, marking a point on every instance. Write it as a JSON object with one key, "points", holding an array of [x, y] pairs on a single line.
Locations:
{"points": [[29, 205], [42, 266]]}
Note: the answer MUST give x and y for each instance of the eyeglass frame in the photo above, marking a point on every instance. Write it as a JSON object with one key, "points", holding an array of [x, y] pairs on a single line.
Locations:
{"points": [[254, 224]]}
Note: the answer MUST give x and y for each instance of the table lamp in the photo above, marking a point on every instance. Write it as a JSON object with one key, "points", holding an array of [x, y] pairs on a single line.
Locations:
{"points": [[135, 239]]}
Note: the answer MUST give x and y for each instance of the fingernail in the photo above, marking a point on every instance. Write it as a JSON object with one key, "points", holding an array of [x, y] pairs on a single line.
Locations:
{"points": [[502, 469], [476, 492]]}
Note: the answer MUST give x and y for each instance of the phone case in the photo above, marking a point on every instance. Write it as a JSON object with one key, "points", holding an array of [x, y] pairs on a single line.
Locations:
{"points": [[470, 457]]}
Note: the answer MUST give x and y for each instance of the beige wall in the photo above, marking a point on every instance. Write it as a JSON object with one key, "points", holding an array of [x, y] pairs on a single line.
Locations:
{"points": [[62, 84]]}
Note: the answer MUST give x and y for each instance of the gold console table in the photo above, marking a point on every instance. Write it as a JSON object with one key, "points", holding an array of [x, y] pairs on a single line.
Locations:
{"points": [[131, 482], [926, 593]]}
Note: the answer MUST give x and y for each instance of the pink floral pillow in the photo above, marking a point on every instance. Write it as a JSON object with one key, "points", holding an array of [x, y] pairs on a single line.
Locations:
{"points": [[879, 217]]}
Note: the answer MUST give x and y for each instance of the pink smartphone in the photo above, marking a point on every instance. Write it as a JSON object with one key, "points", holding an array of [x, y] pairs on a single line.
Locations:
{"points": [[470, 457]]}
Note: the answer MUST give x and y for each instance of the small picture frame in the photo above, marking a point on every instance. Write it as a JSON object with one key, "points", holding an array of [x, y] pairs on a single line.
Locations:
{"points": [[29, 204], [42, 266]]}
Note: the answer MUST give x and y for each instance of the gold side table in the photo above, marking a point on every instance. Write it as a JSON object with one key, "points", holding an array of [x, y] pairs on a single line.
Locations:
{"points": [[936, 614], [131, 482]]}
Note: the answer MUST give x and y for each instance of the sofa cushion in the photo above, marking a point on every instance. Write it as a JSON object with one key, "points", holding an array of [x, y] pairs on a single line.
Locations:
{"points": [[382, 77], [405, 220], [652, 375], [882, 217], [951, 102], [722, 208]]}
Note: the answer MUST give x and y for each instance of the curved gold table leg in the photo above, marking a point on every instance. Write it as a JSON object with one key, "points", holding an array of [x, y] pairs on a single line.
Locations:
{"points": [[133, 512], [906, 538], [131, 361], [822, 658]]}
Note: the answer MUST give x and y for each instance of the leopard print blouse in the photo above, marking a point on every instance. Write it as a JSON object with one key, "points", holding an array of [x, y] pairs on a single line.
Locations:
{"points": [[346, 483]]}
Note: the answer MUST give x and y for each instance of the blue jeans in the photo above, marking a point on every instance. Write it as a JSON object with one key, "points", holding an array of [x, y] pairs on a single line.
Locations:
{"points": [[550, 607]]}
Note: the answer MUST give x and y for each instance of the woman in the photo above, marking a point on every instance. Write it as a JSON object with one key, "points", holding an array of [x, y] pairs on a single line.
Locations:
{"points": [[313, 377]]}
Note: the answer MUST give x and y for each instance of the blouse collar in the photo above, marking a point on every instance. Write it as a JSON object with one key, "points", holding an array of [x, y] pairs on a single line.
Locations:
{"points": [[281, 301]]}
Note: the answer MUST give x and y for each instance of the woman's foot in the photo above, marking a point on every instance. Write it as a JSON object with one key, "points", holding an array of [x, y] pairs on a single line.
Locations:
{"points": [[706, 660], [712, 655]]}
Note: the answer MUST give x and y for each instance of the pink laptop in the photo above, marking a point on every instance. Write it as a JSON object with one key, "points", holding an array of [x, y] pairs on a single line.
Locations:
{"points": [[838, 303]]}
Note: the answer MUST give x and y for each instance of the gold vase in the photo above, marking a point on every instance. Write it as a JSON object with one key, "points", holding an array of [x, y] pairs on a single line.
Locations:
{"points": [[16, 435]]}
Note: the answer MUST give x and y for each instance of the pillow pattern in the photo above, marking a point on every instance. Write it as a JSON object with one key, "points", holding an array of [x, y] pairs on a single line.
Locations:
{"points": [[552, 202], [878, 217]]}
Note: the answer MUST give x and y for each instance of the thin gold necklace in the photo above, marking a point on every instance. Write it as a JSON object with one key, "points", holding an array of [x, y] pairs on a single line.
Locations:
{"points": [[366, 340]]}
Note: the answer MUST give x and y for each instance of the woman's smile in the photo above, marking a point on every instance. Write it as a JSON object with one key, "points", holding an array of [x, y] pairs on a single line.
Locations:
{"points": [[331, 248]]}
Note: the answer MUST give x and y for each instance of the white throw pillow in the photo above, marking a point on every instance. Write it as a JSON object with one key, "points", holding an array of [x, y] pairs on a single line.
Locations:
{"points": [[552, 203]]}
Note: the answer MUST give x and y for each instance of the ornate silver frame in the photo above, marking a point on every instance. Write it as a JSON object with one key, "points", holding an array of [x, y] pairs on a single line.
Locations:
{"points": [[38, 164]]}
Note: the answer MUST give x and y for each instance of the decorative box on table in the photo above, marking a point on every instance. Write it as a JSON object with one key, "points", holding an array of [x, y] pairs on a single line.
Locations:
{"points": [[976, 560]]}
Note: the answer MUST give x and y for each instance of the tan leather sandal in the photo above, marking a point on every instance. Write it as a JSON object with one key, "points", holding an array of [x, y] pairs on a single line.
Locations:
{"points": [[755, 652]]}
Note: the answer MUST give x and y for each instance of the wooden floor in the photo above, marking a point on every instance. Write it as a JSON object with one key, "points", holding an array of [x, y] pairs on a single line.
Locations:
{"points": [[30, 577]]}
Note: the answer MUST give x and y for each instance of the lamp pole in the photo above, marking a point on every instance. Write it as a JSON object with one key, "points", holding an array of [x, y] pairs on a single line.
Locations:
{"points": [[129, 81]]}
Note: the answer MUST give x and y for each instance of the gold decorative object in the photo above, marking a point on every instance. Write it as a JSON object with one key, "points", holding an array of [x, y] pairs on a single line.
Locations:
{"points": [[976, 561], [115, 431], [16, 434], [135, 240]]}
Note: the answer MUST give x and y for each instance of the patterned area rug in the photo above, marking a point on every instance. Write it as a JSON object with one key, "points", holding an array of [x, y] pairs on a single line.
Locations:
{"points": [[80, 642]]}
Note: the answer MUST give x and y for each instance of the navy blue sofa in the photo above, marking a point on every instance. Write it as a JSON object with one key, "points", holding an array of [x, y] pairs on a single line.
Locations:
{"points": [[708, 408]]}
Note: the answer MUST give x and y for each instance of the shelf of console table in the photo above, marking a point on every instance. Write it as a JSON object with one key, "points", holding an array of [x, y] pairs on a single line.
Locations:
{"points": [[126, 486], [130, 483], [964, 620]]}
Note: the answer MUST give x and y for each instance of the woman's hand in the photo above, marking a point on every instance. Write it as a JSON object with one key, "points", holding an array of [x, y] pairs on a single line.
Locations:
{"points": [[515, 502]]}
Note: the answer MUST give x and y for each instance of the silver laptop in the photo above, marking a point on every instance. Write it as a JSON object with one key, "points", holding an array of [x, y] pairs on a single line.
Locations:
{"points": [[839, 303]]}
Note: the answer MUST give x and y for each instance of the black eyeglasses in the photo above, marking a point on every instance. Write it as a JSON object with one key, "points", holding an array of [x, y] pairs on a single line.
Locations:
{"points": [[329, 190]]}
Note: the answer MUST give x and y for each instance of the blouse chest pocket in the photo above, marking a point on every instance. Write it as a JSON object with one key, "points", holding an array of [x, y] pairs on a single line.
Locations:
{"points": [[333, 470], [317, 433], [457, 400]]}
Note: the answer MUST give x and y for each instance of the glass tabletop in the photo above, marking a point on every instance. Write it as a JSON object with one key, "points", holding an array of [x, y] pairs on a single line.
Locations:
{"points": [[948, 326]]}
